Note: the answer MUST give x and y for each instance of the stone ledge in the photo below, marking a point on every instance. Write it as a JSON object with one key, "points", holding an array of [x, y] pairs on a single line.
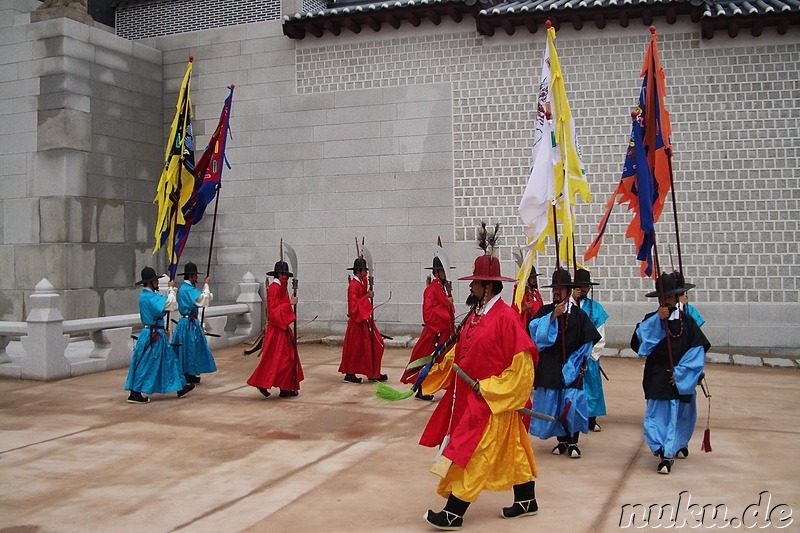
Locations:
{"points": [[746, 360], [719, 358], [779, 362]]}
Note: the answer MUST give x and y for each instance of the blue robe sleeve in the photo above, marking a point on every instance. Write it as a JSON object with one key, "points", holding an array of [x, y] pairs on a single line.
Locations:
{"points": [[695, 314], [687, 371], [571, 370], [650, 332], [597, 313], [543, 331]]}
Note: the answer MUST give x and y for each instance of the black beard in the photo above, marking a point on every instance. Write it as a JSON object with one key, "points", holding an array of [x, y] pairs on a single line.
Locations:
{"points": [[472, 300]]}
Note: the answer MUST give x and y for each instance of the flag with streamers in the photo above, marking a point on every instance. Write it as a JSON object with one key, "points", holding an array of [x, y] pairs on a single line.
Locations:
{"points": [[176, 184], [557, 175], [522, 279], [208, 180], [646, 173]]}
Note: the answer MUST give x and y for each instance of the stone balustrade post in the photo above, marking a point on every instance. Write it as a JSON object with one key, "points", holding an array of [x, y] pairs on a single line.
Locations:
{"points": [[4, 357], [113, 345], [249, 324], [45, 342]]}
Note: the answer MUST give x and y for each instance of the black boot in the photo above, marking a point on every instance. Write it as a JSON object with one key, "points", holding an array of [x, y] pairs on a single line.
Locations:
{"points": [[561, 449], [524, 501], [572, 449], [451, 518], [185, 390]]}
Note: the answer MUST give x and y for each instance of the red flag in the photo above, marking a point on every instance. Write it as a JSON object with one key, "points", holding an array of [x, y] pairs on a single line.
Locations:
{"points": [[208, 179], [645, 194]]}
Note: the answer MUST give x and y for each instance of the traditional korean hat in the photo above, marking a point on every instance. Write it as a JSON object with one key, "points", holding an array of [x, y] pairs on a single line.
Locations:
{"points": [[487, 267], [533, 272], [561, 278], [189, 269], [148, 275], [437, 264], [682, 282], [669, 286], [359, 264], [281, 267], [583, 278]]}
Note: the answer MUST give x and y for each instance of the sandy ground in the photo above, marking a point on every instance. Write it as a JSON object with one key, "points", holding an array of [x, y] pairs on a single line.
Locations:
{"points": [[74, 456]]}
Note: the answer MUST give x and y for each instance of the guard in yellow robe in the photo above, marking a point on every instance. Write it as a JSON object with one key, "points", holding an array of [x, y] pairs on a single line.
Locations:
{"points": [[484, 440]]}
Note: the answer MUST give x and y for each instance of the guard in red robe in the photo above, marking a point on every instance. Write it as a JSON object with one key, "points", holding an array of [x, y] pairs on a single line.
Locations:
{"points": [[484, 440], [531, 300], [280, 364], [362, 350], [438, 314]]}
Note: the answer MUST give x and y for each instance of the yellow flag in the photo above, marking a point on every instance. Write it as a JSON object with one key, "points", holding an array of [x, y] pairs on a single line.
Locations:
{"points": [[177, 177], [522, 279]]}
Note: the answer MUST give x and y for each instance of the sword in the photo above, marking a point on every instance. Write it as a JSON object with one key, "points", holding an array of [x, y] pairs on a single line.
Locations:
{"points": [[474, 386]]}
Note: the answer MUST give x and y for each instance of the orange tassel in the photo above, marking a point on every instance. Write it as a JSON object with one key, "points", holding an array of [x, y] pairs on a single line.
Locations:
{"points": [[706, 446]]}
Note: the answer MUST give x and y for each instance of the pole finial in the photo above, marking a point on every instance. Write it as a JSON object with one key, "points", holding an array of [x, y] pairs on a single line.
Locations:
{"points": [[548, 24], [653, 30], [191, 59]]}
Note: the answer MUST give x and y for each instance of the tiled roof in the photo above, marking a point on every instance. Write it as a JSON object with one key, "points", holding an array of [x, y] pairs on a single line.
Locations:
{"points": [[531, 6], [718, 8], [352, 8]]}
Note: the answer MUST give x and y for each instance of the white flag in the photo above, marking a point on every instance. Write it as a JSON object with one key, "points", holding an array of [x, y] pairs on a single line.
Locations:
{"points": [[536, 203]]}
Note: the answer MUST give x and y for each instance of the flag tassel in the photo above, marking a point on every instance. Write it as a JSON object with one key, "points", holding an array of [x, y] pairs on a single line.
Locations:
{"points": [[706, 445]]}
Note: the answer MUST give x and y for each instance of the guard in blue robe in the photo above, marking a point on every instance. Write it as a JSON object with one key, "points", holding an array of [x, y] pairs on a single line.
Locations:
{"points": [[564, 336], [154, 364], [592, 380], [672, 370], [189, 339]]}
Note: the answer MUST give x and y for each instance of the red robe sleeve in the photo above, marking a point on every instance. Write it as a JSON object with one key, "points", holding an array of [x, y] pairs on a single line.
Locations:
{"points": [[279, 311], [358, 305], [437, 310]]}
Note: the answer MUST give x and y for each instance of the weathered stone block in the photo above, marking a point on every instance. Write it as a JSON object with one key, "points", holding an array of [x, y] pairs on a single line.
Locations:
{"points": [[115, 265], [64, 129], [111, 221], [7, 267], [121, 301], [138, 222], [59, 172], [80, 259], [81, 303], [11, 305], [34, 262], [21, 222]]}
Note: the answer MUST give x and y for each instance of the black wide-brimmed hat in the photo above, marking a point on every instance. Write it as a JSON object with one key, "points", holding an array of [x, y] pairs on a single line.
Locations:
{"points": [[667, 285], [148, 275], [359, 264], [561, 278], [583, 278], [189, 269], [281, 267], [437, 264], [533, 272]]}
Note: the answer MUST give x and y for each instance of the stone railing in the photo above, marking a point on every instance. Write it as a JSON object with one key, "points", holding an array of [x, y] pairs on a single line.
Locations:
{"points": [[47, 347]]}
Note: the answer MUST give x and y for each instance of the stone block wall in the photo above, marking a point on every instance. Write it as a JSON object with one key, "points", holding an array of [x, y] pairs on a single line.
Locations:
{"points": [[81, 144], [402, 136]]}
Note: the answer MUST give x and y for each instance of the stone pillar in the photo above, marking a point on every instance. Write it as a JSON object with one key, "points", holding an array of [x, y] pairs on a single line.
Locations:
{"points": [[249, 324], [45, 342]]}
